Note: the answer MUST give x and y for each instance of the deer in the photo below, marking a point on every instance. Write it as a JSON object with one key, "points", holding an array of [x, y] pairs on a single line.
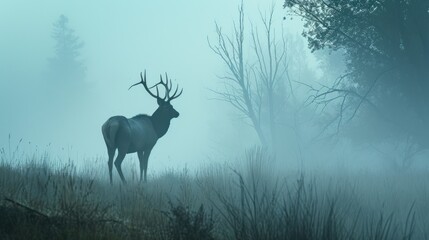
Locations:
{"points": [[140, 133]]}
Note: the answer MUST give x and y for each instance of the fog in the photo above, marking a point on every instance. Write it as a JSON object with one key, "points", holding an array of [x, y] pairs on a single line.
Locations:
{"points": [[299, 119], [120, 41]]}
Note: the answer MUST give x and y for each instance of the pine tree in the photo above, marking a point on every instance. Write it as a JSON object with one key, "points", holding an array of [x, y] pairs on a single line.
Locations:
{"points": [[66, 67]]}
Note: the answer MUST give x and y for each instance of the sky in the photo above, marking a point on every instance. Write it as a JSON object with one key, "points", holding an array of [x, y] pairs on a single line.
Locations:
{"points": [[121, 40]]}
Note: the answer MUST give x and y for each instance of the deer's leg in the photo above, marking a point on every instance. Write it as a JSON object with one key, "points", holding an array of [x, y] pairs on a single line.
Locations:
{"points": [[145, 161], [118, 162], [111, 152], [141, 160]]}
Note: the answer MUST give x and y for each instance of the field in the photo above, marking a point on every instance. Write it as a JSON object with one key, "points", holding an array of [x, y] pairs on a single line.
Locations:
{"points": [[247, 200]]}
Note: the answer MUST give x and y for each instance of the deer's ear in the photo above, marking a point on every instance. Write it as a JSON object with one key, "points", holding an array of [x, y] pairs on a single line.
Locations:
{"points": [[160, 101]]}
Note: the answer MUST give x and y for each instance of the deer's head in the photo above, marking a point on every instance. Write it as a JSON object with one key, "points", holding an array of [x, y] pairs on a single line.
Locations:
{"points": [[165, 109]]}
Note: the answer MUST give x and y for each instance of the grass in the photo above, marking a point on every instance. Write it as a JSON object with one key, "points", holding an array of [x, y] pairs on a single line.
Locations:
{"points": [[41, 200]]}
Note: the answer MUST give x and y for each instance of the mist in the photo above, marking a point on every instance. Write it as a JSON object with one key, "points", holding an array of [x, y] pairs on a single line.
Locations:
{"points": [[120, 41], [271, 90]]}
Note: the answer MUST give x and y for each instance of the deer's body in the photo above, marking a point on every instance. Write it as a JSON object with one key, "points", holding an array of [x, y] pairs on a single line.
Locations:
{"points": [[140, 133], [129, 135]]}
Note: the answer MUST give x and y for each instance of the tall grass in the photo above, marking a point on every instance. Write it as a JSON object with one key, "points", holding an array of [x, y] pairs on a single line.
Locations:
{"points": [[247, 201]]}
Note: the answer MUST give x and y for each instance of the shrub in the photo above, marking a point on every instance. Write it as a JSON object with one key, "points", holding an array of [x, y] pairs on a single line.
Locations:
{"points": [[185, 224]]}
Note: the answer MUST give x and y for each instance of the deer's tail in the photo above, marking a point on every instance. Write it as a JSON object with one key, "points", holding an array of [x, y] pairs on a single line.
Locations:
{"points": [[109, 130]]}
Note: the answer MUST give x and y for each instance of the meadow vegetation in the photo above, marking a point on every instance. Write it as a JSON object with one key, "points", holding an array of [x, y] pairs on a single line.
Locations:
{"points": [[247, 200]]}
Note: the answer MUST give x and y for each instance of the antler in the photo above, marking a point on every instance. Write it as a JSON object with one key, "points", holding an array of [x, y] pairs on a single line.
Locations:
{"points": [[144, 83], [167, 85]]}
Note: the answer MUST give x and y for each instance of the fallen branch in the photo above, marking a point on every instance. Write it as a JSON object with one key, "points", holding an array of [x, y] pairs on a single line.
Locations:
{"points": [[26, 208]]}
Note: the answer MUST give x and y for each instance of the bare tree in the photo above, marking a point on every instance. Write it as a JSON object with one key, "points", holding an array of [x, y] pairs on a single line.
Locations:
{"points": [[251, 87], [270, 67]]}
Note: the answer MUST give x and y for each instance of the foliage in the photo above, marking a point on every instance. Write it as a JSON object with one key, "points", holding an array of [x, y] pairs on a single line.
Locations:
{"points": [[386, 45]]}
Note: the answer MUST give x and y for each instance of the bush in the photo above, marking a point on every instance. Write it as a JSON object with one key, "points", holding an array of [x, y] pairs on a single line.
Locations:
{"points": [[185, 224]]}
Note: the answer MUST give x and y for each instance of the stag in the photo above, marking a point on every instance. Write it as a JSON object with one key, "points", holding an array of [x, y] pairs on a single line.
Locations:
{"points": [[140, 133]]}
